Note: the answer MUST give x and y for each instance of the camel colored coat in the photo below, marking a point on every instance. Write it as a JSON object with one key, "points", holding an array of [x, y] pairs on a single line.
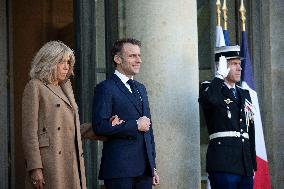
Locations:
{"points": [[51, 135]]}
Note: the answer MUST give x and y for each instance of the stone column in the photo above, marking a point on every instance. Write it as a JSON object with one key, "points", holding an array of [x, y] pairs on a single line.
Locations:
{"points": [[168, 31], [275, 125], [268, 45]]}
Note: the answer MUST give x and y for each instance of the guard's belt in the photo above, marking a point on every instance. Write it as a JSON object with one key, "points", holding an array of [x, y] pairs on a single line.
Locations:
{"points": [[228, 134]]}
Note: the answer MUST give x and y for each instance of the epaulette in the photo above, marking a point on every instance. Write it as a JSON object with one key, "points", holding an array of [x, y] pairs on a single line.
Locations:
{"points": [[204, 85], [242, 88], [205, 82]]}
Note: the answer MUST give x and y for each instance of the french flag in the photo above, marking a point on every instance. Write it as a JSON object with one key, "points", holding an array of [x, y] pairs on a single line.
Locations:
{"points": [[261, 178]]}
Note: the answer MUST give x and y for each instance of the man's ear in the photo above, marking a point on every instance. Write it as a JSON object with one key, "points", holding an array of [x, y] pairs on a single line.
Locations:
{"points": [[117, 59]]}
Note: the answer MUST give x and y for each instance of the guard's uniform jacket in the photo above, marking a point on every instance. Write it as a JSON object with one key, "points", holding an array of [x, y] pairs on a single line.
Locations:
{"points": [[225, 116]]}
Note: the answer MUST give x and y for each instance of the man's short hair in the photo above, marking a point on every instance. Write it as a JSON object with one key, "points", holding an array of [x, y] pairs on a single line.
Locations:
{"points": [[117, 46]]}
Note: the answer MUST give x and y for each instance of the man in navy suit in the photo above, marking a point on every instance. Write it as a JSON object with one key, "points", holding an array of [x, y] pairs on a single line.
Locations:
{"points": [[128, 156]]}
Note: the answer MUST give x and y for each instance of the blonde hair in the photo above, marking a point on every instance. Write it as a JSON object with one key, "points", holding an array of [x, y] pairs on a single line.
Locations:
{"points": [[44, 64]]}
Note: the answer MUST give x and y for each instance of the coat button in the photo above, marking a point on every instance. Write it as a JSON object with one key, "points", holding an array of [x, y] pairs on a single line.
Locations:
{"points": [[219, 142], [58, 105], [43, 129], [59, 152], [243, 140], [58, 128], [241, 120], [241, 130]]}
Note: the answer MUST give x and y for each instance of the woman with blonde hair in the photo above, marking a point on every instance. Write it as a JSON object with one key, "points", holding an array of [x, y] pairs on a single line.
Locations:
{"points": [[50, 122]]}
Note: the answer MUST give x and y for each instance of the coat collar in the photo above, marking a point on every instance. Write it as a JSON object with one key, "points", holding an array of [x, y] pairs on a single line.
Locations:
{"points": [[129, 95], [67, 90], [228, 94]]}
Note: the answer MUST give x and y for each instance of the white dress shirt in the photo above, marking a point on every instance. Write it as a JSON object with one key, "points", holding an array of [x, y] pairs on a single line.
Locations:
{"points": [[124, 79]]}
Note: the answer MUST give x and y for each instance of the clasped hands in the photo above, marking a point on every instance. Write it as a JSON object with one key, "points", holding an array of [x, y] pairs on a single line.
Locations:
{"points": [[88, 133], [143, 122]]}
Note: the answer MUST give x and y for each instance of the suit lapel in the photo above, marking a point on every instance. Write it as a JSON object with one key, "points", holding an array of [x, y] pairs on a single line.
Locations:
{"points": [[124, 89]]}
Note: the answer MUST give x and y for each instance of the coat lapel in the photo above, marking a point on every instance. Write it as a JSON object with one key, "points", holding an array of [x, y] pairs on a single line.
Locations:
{"points": [[124, 89], [228, 94], [241, 95], [65, 99], [67, 89]]}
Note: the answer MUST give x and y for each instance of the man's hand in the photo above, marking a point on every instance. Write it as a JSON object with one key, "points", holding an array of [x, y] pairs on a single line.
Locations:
{"points": [[37, 178], [223, 69], [156, 178], [143, 124]]}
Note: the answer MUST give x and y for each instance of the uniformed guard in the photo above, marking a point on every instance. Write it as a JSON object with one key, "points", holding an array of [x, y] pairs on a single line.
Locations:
{"points": [[231, 156]]}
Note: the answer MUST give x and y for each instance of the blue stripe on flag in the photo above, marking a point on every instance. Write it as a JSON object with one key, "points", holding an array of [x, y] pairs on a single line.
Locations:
{"points": [[247, 72], [227, 38]]}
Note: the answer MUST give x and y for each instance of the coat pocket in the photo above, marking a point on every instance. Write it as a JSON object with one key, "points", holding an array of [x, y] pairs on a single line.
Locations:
{"points": [[43, 139]]}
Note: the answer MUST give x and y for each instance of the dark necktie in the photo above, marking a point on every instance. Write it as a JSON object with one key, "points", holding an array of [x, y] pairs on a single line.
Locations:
{"points": [[135, 92], [235, 94]]}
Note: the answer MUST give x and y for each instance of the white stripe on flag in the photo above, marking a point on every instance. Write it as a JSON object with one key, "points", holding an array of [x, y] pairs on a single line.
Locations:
{"points": [[259, 139], [220, 40]]}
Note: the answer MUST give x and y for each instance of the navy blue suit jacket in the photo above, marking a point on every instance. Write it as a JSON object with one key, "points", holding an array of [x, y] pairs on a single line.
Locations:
{"points": [[122, 154]]}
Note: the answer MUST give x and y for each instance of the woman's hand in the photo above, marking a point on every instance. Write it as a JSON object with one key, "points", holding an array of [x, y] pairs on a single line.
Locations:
{"points": [[37, 178], [88, 133], [115, 120]]}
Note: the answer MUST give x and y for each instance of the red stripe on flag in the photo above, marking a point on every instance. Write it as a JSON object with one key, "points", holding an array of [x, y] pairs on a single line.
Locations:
{"points": [[261, 177]]}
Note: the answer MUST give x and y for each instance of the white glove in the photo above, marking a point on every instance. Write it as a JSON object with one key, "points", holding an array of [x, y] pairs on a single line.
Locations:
{"points": [[222, 69]]}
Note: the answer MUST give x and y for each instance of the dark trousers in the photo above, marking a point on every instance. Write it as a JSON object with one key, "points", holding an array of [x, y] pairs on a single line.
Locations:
{"points": [[141, 182], [220, 180]]}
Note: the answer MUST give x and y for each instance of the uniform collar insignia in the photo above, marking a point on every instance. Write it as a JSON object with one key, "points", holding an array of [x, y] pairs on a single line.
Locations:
{"points": [[228, 101]]}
